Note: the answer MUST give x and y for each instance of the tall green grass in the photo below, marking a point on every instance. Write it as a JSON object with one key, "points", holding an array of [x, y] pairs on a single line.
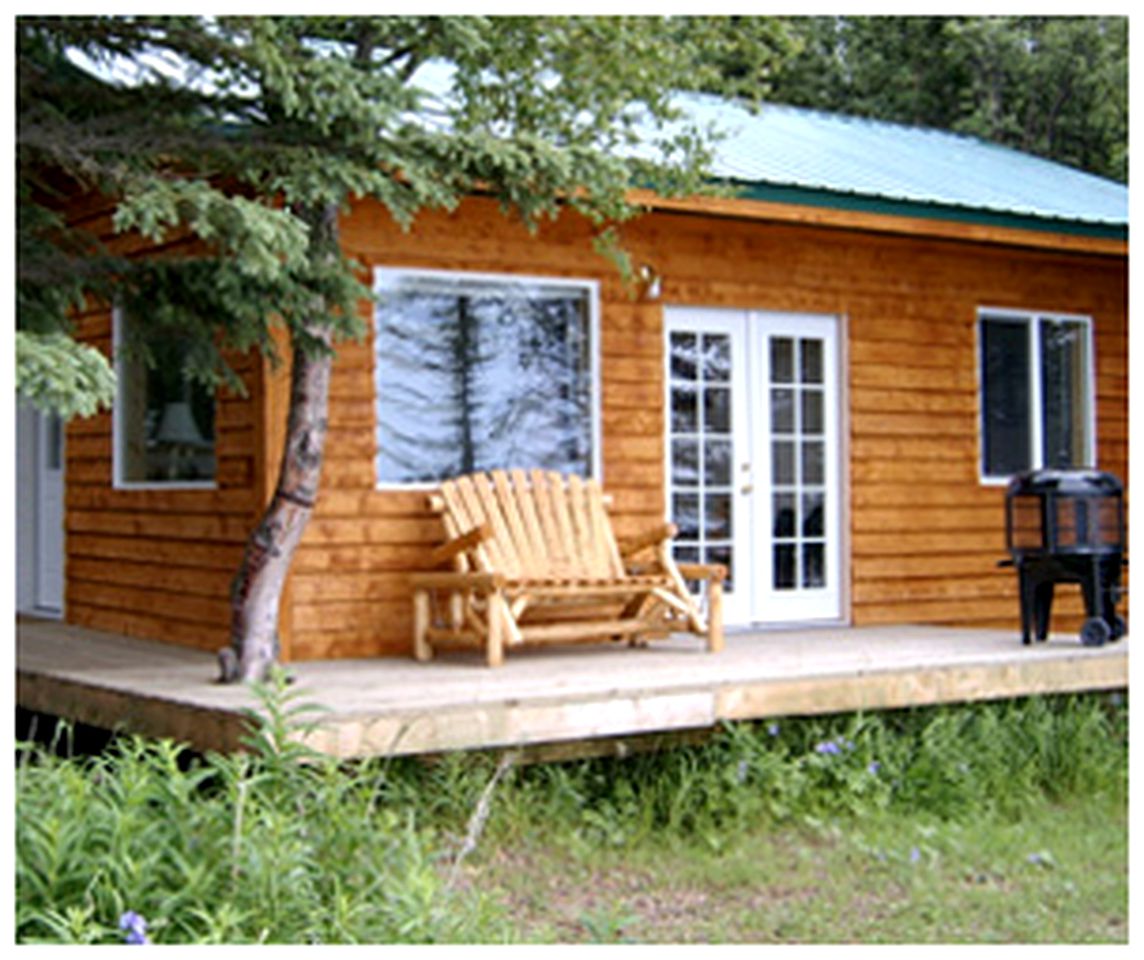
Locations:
{"points": [[948, 763], [280, 845], [277, 845]]}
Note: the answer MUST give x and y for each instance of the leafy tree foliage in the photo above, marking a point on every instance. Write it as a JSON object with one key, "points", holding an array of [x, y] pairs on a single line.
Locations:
{"points": [[1053, 86], [235, 143]]}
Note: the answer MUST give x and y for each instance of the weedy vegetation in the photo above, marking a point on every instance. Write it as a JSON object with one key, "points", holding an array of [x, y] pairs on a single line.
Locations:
{"points": [[1000, 822]]}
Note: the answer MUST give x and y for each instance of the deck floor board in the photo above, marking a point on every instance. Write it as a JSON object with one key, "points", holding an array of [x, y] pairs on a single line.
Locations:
{"points": [[552, 694]]}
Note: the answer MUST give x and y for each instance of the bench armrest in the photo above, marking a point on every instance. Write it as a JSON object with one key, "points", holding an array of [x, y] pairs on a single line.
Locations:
{"points": [[703, 571], [462, 544], [447, 580], [650, 538]]}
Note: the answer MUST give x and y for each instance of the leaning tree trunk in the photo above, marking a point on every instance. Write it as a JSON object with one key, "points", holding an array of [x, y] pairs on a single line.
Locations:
{"points": [[256, 591]]}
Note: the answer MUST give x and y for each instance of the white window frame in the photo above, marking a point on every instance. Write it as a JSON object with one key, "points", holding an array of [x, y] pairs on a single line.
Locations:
{"points": [[594, 369], [118, 429], [1031, 319]]}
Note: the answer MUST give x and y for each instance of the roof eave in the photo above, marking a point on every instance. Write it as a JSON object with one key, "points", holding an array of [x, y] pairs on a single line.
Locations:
{"points": [[888, 215]]}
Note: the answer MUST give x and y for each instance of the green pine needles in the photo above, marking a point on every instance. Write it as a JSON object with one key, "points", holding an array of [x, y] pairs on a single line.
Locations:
{"points": [[149, 843]]}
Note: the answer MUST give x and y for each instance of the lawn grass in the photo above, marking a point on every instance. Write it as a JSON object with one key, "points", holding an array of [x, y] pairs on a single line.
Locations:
{"points": [[1059, 874], [981, 823]]}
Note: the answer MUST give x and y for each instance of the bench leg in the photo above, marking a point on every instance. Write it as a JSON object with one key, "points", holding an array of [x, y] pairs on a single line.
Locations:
{"points": [[715, 615], [421, 614], [497, 611]]}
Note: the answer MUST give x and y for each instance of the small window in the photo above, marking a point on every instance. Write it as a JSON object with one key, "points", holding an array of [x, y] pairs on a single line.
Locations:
{"points": [[1036, 392], [478, 373], [164, 421]]}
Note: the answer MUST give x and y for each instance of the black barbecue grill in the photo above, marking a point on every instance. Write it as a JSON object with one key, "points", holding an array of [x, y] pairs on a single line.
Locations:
{"points": [[1067, 526]]}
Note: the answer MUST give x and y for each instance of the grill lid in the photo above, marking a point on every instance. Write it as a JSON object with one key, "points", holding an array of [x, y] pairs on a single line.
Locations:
{"points": [[1056, 512], [1083, 482]]}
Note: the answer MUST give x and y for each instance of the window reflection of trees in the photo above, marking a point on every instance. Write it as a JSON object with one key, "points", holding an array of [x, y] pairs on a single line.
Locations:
{"points": [[474, 377]]}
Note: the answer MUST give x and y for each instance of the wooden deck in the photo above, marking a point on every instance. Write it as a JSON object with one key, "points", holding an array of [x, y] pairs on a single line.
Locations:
{"points": [[606, 694]]}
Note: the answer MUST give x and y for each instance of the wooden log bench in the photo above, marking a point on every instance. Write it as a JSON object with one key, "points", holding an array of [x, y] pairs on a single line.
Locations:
{"points": [[532, 559]]}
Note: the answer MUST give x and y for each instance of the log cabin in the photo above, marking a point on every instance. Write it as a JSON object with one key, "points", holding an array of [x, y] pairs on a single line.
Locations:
{"points": [[824, 377]]}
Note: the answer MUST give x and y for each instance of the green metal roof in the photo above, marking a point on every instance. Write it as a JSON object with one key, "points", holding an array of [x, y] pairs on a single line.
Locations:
{"points": [[805, 156]]}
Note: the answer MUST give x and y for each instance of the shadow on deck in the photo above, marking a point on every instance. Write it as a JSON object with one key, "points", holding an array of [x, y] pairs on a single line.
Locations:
{"points": [[606, 695]]}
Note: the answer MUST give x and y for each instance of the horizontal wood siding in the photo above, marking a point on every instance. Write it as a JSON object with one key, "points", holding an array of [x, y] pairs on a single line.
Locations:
{"points": [[157, 563], [350, 594], [924, 535]]}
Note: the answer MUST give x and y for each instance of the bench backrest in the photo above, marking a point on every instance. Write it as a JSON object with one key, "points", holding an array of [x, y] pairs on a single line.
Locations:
{"points": [[545, 525]]}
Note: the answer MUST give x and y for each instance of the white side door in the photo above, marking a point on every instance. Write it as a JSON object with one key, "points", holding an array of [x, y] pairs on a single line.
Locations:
{"points": [[50, 514], [39, 512]]}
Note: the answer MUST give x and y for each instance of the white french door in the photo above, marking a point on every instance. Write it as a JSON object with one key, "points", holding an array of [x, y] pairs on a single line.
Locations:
{"points": [[753, 472]]}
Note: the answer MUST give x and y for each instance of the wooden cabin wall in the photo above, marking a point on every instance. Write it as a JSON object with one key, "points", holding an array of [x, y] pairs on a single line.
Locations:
{"points": [[924, 534], [348, 581], [158, 563]]}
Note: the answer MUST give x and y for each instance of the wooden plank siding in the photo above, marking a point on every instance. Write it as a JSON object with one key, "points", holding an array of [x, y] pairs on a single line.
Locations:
{"points": [[157, 563], [923, 534]]}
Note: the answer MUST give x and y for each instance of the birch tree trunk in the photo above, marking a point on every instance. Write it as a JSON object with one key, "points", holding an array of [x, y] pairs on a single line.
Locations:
{"points": [[256, 591]]}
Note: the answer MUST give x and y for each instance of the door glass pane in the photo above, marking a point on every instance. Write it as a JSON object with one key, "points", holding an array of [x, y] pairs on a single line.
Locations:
{"points": [[1005, 388], [810, 352], [1064, 393], [782, 360], [717, 516], [725, 555], [813, 420], [717, 462], [717, 409], [782, 463], [716, 357], [784, 505], [684, 352], [813, 505], [685, 462], [784, 566], [782, 410], [813, 464], [684, 409], [684, 553], [685, 515], [813, 565]]}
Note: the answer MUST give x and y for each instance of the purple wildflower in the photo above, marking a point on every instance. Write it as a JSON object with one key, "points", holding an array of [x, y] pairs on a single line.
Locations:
{"points": [[773, 729], [915, 855], [134, 927], [828, 747], [873, 767]]}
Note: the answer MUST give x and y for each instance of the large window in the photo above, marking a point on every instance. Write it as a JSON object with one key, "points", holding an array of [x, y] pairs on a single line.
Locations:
{"points": [[477, 373], [164, 421], [1036, 392]]}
